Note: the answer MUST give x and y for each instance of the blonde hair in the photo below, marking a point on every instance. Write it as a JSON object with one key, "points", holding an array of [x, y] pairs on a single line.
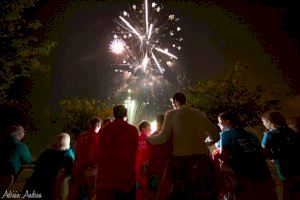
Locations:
{"points": [[62, 142]]}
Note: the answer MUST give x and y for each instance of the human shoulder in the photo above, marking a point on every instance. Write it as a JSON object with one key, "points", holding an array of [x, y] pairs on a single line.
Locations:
{"points": [[170, 112], [49, 152], [197, 112], [21, 146], [228, 133], [270, 134], [133, 128], [70, 153]]}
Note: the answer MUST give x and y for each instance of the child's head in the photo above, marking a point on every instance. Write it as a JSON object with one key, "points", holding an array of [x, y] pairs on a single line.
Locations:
{"points": [[95, 124], [228, 120], [145, 127], [294, 124], [273, 119]]}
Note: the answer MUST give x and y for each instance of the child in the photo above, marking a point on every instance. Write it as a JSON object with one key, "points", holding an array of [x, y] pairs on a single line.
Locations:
{"points": [[142, 162]]}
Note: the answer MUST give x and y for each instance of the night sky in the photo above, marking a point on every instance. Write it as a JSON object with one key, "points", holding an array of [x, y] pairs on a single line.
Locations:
{"points": [[216, 34]]}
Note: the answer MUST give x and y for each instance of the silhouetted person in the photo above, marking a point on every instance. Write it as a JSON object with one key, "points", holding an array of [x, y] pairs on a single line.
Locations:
{"points": [[281, 144], [13, 153], [117, 156], [192, 168], [85, 166], [142, 160], [244, 171], [52, 170], [159, 173]]}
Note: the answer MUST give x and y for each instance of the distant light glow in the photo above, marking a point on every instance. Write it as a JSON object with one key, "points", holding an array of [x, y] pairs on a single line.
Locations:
{"points": [[153, 126], [117, 46]]}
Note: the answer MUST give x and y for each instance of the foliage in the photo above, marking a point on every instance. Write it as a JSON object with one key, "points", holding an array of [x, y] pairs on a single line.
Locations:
{"points": [[74, 115], [21, 46], [231, 91]]}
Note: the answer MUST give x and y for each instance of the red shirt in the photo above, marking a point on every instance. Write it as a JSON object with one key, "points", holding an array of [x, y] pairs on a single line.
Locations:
{"points": [[118, 145], [85, 158], [158, 158], [142, 154], [141, 159], [86, 148], [159, 155]]}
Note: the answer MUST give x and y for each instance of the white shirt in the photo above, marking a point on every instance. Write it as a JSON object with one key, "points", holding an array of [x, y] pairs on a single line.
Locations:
{"points": [[190, 128]]}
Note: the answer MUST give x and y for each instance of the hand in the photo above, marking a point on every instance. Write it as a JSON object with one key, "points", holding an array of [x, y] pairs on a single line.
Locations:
{"points": [[208, 141]]}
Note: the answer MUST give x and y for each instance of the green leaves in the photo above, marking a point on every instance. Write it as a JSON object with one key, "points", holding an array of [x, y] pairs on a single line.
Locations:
{"points": [[234, 90], [21, 47], [74, 115]]}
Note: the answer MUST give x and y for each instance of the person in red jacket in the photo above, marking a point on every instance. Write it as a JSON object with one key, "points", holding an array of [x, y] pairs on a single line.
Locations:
{"points": [[118, 146], [142, 160], [159, 172], [85, 166]]}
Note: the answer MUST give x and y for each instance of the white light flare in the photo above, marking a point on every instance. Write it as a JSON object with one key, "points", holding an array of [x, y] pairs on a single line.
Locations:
{"points": [[117, 46], [145, 62], [166, 52], [153, 126], [150, 31], [156, 62], [133, 30], [146, 16]]}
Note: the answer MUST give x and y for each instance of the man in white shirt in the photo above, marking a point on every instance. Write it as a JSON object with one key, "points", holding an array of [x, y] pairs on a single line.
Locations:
{"points": [[192, 168]]}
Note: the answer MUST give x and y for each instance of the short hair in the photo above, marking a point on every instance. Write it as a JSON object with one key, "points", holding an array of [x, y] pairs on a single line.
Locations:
{"points": [[275, 117], [144, 124], [95, 121], [106, 120], [160, 119], [232, 117], [120, 111], [63, 141], [294, 123], [15, 130], [180, 98]]}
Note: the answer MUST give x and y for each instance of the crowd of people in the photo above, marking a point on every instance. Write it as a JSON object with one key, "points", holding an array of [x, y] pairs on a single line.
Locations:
{"points": [[115, 160]]}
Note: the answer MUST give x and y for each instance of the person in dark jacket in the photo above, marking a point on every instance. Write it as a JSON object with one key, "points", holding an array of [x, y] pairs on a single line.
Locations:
{"points": [[13, 153], [53, 165]]}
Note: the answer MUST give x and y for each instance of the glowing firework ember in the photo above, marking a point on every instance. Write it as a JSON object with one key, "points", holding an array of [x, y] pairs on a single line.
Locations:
{"points": [[146, 41], [117, 46]]}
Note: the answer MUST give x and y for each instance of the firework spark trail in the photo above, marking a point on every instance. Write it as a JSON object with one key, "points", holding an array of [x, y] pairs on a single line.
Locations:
{"points": [[150, 31], [165, 52], [133, 30], [146, 15], [156, 62], [145, 62], [144, 30]]}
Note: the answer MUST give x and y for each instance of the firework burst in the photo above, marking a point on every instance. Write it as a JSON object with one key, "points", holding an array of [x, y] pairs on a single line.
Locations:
{"points": [[117, 46], [146, 41]]}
